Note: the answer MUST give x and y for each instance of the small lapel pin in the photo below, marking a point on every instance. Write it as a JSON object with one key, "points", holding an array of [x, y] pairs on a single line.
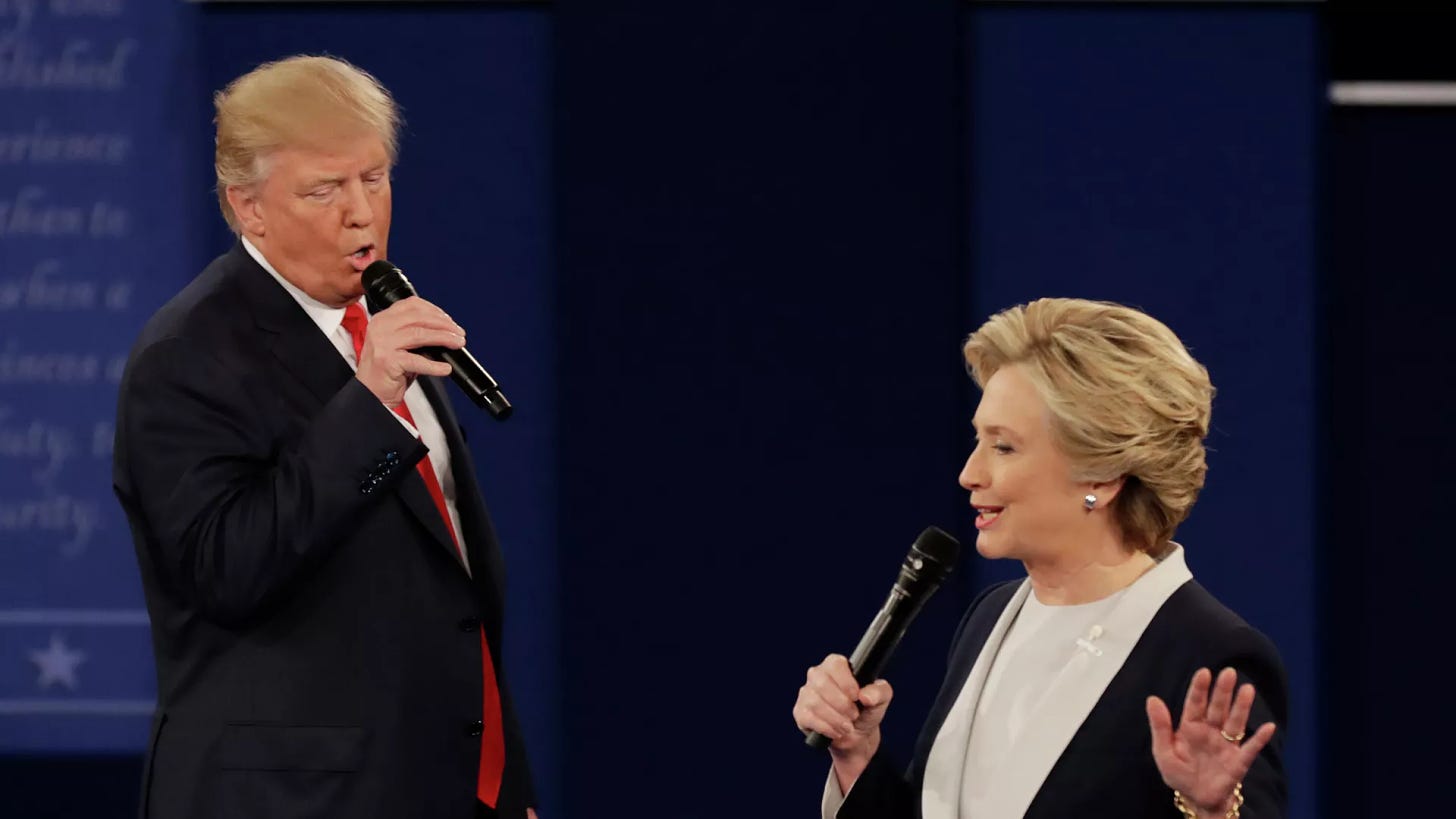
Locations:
{"points": [[1085, 643]]}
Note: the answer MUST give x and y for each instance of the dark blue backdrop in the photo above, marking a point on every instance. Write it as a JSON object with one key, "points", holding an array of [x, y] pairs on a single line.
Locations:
{"points": [[93, 187], [762, 396], [1166, 158]]}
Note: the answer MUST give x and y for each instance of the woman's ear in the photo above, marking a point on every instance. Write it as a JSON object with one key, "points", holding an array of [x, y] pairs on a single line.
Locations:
{"points": [[1105, 491]]}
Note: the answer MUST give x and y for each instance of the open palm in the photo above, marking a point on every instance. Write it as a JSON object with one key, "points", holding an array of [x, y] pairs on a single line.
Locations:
{"points": [[1208, 755]]}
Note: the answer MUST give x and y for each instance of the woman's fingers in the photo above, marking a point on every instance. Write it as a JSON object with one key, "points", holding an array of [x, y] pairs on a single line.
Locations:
{"points": [[827, 699], [836, 669], [1221, 697], [1160, 723], [812, 713], [826, 721], [1251, 747], [876, 696], [875, 699], [1196, 703], [1238, 715], [834, 684], [810, 721]]}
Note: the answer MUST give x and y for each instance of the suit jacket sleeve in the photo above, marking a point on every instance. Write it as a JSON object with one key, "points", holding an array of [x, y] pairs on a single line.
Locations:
{"points": [[236, 510], [1255, 659], [516, 748], [881, 792]]}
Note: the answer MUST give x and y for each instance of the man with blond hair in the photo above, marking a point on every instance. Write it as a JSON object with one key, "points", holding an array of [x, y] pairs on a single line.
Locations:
{"points": [[323, 578]]}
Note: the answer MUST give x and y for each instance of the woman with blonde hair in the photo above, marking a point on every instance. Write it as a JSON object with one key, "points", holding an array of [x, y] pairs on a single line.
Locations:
{"points": [[1057, 700]]}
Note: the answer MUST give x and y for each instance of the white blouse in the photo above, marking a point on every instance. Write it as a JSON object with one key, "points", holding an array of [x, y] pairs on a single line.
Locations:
{"points": [[1039, 645]]}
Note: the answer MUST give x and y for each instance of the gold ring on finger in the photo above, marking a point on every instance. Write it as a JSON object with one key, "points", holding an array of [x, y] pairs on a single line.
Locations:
{"points": [[1239, 737]]}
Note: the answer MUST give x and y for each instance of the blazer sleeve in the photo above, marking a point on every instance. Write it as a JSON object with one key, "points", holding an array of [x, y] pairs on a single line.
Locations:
{"points": [[516, 747], [881, 792], [234, 510], [1256, 660]]}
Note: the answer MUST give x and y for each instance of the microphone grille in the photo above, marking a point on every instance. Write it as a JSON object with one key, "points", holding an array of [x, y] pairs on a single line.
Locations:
{"points": [[385, 284], [938, 547]]}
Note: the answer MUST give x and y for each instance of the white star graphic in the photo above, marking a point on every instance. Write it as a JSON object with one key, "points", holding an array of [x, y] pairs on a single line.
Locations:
{"points": [[57, 664]]}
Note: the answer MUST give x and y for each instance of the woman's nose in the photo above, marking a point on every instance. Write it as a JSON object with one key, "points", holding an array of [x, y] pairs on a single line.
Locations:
{"points": [[973, 476]]}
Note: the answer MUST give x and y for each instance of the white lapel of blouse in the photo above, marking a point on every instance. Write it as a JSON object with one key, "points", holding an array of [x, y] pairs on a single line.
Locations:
{"points": [[1091, 665], [945, 766]]}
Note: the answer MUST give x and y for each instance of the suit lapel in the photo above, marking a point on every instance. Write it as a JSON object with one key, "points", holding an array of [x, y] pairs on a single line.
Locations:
{"points": [[416, 498], [293, 338], [440, 406], [477, 534], [310, 358], [941, 789], [1072, 696], [1067, 703]]}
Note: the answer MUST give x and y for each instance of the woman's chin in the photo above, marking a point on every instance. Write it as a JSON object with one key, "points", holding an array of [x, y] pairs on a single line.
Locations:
{"points": [[989, 546]]}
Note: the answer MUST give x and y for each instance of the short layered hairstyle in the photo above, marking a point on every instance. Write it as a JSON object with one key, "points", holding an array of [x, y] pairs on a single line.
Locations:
{"points": [[1126, 398]]}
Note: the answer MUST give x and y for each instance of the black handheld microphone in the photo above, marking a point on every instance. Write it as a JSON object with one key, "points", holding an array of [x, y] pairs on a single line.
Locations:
{"points": [[931, 558], [385, 284]]}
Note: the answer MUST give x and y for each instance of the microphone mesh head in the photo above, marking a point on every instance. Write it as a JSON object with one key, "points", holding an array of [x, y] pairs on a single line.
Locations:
{"points": [[937, 546], [385, 284]]}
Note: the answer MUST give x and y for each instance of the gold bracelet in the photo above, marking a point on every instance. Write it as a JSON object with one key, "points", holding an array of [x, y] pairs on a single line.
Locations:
{"points": [[1187, 810]]}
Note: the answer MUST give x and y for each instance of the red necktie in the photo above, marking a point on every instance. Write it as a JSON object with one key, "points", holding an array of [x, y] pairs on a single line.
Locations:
{"points": [[492, 739]]}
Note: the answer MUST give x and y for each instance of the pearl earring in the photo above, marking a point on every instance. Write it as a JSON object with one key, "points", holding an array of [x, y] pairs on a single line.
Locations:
{"points": [[1090, 502]]}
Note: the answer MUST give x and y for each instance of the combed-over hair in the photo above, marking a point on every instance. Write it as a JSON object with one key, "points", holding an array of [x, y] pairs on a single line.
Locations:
{"points": [[302, 101]]}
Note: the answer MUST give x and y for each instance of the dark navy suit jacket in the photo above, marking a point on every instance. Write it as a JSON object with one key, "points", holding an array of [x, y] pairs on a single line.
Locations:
{"points": [[1107, 769], [316, 636]]}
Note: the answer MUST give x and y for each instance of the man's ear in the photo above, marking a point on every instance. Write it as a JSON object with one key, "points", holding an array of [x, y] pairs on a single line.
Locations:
{"points": [[247, 208]]}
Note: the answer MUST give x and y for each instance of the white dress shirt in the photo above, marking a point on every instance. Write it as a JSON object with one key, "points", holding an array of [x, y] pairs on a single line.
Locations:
{"points": [[330, 321]]}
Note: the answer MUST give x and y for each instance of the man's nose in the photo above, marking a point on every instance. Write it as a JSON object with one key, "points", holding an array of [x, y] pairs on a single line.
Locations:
{"points": [[358, 212]]}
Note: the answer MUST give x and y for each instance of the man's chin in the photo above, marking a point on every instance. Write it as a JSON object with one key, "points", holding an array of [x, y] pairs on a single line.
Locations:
{"points": [[347, 292]]}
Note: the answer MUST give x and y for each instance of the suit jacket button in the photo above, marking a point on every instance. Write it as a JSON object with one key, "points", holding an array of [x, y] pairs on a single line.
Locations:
{"points": [[475, 728], [468, 624]]}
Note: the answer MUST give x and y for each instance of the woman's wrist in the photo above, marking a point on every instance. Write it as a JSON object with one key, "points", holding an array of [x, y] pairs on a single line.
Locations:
{"points": [[850, 763], [1228, 810]]}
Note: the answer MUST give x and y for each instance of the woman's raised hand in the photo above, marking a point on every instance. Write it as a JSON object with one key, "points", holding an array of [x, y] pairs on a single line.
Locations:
{"points": [[1208, 754]]}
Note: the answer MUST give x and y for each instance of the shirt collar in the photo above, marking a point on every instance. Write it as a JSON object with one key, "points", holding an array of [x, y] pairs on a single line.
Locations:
{"points": [[328, 319]]}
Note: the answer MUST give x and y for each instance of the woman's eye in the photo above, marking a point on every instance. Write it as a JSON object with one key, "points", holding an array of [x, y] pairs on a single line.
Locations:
{"points": [[1004, 449]]}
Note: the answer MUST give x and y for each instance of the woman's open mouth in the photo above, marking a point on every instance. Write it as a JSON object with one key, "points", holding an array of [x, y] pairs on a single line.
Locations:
{"points": [[987, 515]]}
